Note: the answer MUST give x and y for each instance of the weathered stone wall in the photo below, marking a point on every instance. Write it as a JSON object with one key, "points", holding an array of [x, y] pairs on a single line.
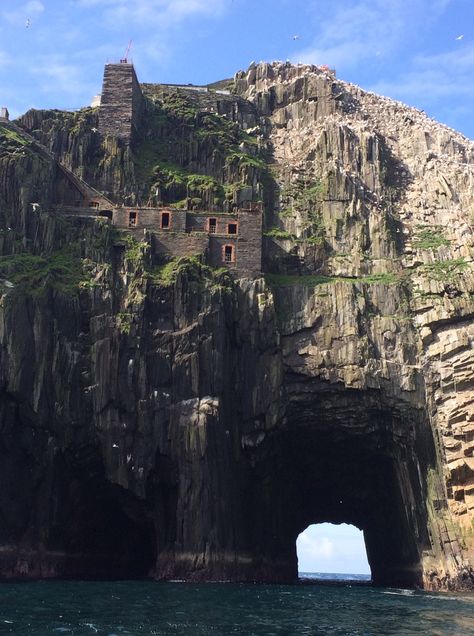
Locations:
{"points": [[200, 221], [216, 252], [250, 243], [171, 244], [121, 101], [150, 218]]}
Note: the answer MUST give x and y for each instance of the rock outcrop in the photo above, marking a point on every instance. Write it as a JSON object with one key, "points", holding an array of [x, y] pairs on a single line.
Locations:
{"points": [[173, 422]]}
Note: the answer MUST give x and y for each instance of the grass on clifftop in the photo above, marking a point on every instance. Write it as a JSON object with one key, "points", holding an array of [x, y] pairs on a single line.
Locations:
{"points": [[12, 142]]}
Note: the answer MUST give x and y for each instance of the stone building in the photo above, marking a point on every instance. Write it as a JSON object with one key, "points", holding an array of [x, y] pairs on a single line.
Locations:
{"points": [[4, 114], [232, 240], [225, 240]]}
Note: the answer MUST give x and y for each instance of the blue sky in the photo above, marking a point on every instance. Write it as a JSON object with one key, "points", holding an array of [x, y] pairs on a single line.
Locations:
{"points": [[332, 548], [404, 49]]}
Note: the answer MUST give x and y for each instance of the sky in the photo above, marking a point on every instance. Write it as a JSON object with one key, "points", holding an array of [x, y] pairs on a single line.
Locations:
{"points": [[421, 52], [332, 548]]}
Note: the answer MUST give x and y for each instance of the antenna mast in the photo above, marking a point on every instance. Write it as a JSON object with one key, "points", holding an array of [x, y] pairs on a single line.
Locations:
{"points": [[124, 59]]}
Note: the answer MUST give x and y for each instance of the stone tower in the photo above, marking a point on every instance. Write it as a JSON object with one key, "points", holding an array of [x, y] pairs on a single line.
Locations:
{"points": [[121, 101]]}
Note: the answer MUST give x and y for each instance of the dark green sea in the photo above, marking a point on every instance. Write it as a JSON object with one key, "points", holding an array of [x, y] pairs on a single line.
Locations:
{"points": [[138, 607]]}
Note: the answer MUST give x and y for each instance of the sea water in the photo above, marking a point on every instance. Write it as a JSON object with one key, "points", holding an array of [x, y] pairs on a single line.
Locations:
{"points": [[63, 608]]}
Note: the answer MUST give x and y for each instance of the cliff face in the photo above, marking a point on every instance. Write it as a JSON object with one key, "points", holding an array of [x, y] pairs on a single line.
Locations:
{"points": [[170, 421]]}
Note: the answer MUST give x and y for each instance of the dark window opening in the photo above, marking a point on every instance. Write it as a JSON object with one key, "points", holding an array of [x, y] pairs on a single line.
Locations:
{"points": [[165, 220], [132, 219], [212, 226], [232, 228], [228, 254], [94, 204]]}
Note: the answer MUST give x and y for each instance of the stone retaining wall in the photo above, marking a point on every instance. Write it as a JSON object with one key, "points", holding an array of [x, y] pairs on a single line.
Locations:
{"points": [[174, 244]]}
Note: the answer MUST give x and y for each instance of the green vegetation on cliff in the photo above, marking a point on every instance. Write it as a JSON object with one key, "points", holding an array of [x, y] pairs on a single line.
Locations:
{"points": [[62, 270], [303, 197], [192, 156], [429, 237], [12, 142], [447, 271], [142, 270], [195, 271]]}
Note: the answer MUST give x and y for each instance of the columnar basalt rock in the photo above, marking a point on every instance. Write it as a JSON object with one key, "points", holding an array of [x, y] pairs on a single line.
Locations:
{"points": [[394, 204], [177, 423]]}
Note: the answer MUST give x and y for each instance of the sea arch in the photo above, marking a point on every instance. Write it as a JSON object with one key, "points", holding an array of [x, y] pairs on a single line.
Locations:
{"points": [[345, 456]]}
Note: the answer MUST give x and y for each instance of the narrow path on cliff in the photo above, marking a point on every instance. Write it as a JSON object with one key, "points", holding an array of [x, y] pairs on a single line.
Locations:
{"points": [[327, 548]]}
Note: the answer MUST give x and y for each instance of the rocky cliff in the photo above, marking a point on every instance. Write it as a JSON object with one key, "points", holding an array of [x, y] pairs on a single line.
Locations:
{"points": [[167, 420]]}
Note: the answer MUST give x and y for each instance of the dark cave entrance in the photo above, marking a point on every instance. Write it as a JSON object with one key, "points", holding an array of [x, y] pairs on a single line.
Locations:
{"points": [[104, 531], [326, 549], [353, 462]]}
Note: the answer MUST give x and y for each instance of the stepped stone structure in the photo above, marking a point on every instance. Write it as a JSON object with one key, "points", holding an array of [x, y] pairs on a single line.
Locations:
{"points": [[121, 101]]}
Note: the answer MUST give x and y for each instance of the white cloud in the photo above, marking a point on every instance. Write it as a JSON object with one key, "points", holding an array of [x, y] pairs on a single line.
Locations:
{"points": [[154, 13], [34, 7], [357, 31], [332, 548], [434, 77], [315, 547], [69, 80]]}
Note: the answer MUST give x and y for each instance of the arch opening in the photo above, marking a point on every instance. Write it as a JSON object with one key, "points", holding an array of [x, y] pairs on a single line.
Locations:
{"points": [[364, 467], [332, 551]]}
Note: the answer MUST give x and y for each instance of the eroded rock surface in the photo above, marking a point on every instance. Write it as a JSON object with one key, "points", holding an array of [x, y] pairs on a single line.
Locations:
{"points": [[180, 424]]}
